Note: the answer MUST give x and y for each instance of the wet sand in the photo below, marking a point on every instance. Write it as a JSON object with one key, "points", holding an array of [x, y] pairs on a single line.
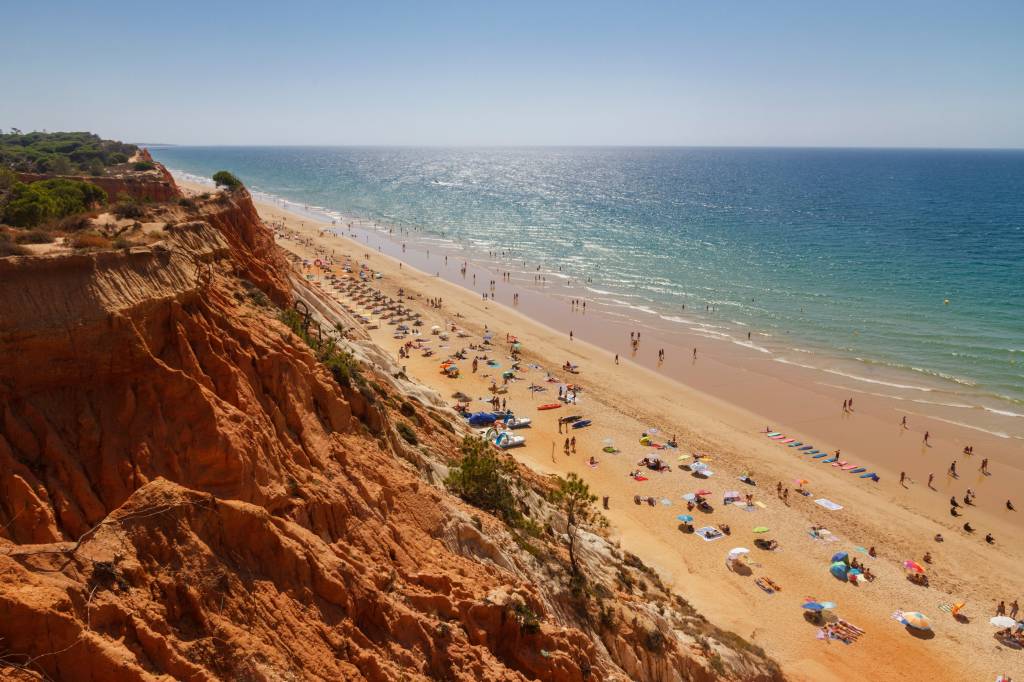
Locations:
{"points": [[708, 410]]}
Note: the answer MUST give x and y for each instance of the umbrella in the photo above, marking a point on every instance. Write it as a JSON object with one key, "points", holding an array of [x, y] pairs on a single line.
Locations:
{"points": [[761, 529], [916, 620], [956, 607], [736, 552], [819, 606], [1003, 622], [840, 556], [838, 569], [801, 481], [913, 566], [685, 518]]}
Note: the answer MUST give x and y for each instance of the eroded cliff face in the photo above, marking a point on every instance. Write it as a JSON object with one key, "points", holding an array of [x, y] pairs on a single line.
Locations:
{"points": [[187, 493]]}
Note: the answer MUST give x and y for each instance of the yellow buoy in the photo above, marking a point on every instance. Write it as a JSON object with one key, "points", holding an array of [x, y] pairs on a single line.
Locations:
{"points": [[946, 301]]}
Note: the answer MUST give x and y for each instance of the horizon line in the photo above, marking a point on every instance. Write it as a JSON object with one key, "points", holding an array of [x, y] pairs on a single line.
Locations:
{"points": [[578, 146]]}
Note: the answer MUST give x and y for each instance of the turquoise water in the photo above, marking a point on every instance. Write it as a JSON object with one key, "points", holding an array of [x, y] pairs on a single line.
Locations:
{"points": [[842, 254]]}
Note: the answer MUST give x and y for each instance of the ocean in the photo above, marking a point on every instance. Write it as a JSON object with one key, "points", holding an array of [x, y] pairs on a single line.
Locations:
{"points": [[899, 270]]}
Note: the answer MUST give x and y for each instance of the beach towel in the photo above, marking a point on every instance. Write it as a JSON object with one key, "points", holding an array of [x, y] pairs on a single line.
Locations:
{"points": [[639, 478], [709, 533], [828, 504]]}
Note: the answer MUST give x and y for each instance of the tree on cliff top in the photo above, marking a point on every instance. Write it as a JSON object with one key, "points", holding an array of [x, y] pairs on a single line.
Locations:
{"points": [[227, 180], [573, 497]]}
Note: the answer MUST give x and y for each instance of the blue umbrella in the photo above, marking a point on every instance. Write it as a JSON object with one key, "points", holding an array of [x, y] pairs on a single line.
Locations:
{"points": [[685, 518], [838, 569], [840, 556], [813, 606]]}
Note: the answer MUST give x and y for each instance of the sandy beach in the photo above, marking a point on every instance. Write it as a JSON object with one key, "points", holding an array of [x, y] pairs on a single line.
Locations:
{"points": [[720, 403]]}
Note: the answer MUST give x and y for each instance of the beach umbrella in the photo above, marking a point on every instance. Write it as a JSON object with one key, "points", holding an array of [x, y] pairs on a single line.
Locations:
{"points": [[801, 481], [839, 569], [1003, 622], [736, 552], [913, 566], [685, 518], [916, 620], [819, 606], [761, 529], [840, 556], [956, 607]]}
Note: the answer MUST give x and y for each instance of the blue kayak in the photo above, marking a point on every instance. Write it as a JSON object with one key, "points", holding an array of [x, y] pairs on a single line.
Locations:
{"points": [[581, 423]]}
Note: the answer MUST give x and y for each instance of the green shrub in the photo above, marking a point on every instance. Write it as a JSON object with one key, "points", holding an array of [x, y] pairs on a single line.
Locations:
{"points": [[143, 166], [407, 434], [45, 200], [128, 208], [34, 237], [485, 481], [225, 179]]}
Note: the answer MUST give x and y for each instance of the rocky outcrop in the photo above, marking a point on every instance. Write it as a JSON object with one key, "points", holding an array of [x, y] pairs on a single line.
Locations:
{"points": [[187, 493]]}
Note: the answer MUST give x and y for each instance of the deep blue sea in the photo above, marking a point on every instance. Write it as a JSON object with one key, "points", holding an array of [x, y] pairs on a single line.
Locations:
{"points": [[831, 253]]}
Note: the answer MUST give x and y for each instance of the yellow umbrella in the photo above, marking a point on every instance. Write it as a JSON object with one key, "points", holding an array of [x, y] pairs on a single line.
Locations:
{"points": [[956, 607]]}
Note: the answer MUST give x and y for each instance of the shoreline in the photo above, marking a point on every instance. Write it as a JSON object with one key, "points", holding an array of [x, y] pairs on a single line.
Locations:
{"points": [[627, 399], [976, 416]]}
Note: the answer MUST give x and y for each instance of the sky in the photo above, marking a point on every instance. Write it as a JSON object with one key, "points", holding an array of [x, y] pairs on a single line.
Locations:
{"points": [[709, 72]]}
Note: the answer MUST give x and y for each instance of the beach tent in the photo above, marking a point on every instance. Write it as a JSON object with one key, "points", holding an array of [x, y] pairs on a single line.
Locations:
{"points": [[841, 556], [839, 569]]}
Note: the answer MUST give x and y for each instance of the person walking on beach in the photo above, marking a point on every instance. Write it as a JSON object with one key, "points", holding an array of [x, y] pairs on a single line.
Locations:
{"points": [[1014, 608], [572, 444], [570, 335], [694, 353], [903, 478], [616, 358], [1001, 608], [984, 466], [952, 469], [927, 435], [931, 477], [844, 407], [904, 422], [566, 447]]}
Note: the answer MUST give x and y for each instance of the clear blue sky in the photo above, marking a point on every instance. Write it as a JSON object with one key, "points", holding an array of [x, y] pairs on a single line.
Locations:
{"points": [[708, 72]]}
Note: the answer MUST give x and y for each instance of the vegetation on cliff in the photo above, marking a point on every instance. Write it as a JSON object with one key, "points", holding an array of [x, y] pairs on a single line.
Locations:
{"points": [[31, 204], [62, 153], [226, 180]]}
